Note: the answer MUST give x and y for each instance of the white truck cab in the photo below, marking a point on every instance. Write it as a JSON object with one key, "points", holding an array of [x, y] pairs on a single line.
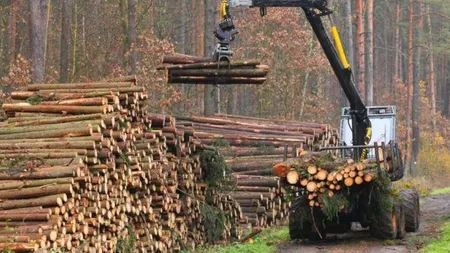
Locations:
{"points": [[383, 125]]}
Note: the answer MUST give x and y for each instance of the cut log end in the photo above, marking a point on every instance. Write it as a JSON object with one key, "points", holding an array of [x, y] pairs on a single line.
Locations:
{"points": [[293, 177]]}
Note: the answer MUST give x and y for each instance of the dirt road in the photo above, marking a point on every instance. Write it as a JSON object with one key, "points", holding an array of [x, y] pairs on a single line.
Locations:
{"points": [[360, 241]]}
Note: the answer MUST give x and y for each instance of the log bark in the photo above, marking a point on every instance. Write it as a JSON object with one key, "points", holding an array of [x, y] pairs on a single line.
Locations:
{"points": [[70, 86], [19, 247], [55, 108], [217, 80], [18, 184], [259, 182], [37, 128], [55, 120], [214, 65], [219, 72], [47, 201], [41, 173], [79, 101], [70, 132], [34, 192], [89, 145], [183, 59], [25, 217]]}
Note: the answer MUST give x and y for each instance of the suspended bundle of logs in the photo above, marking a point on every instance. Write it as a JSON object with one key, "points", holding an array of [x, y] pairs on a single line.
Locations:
{"points": [[196, 70], [251, 147], [84, 167], [320, 173]]}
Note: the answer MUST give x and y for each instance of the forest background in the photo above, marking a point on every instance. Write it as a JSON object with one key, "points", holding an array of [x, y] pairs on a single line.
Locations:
{"points": [[399, 50]]}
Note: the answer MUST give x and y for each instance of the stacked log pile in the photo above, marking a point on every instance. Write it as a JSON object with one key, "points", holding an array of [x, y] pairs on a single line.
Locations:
{"points": [[251, 147], [85, 168], [195, 70]]}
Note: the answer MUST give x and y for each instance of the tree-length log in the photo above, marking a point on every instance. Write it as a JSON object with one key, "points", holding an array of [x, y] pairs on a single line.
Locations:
{"points": [[49, 145], [79, 101], [249, 151], [216, 80], [96, 92], [238, 166], [56, 86], [34, 192], [19, 247], [25, 217], [22, 238], [56, 120], [254, 189], [55, 108], [59, 95], [242, 143], [93, 137], [40, 155], [252, 195], [219, 72], [68, 132], [259, 182], [36, 128], [259, 172], [47, 201], [183, 59], [214, 65], [40, 173]]}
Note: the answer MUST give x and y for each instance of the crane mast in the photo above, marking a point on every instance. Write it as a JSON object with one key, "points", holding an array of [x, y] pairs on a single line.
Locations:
{"points": [[314, 10]]}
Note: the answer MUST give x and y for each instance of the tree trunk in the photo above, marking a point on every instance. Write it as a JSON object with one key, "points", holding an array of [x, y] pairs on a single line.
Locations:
{"points": [[431, 73], [65, 41], [397, 42], [349, 29], [370, 51], [410, 83], [360, 46], [75, 41], [416, 91], [38, 31], [132, 35], [211, 7], [124, 22], [446, 99], [12, 31]]}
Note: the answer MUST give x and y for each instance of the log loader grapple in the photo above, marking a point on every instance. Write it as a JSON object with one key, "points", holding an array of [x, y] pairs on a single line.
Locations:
{"points": [[356, 132]]}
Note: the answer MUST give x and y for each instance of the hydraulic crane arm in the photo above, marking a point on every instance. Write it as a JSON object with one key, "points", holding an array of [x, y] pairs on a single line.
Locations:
{"points": [[315, 10]]}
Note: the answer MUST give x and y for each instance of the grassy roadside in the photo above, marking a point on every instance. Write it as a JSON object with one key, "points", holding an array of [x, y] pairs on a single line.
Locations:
{"points": [[440, 191], [265, 242], [442, 243]]}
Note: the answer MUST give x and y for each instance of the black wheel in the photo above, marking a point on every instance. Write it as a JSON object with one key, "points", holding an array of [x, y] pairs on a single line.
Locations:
{"points": [[339, 228], [385, 226], [401, 229], [364, 224], [301, 224], [411, 207]]}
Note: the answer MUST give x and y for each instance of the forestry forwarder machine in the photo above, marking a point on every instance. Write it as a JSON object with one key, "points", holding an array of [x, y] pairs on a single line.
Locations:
{"points": [[356, 134]]}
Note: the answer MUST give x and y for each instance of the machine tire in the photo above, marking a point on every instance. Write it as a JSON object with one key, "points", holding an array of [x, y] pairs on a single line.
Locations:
{"points": [[339, 228], [301, 228], [385, 227], [411, 207], [401, 220]]}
